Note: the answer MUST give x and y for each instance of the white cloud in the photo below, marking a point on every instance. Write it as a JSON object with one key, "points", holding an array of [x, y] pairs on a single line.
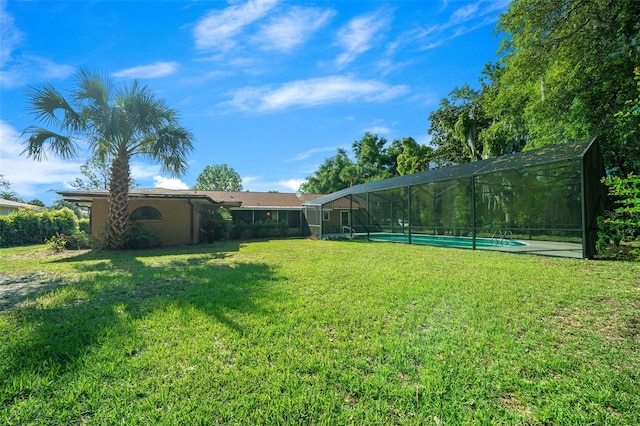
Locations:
{"points": [[29, 68], [10, 36], [29, 178], [207, 76], [285, 32], [18, 69], [155, 70], [143, 171], [465, 13], [218, 29], [258, 184], [291, 184], [378, 130], [10, 147], [314, 92], [246, 180], [358, 35], [168, 183], [463, 20], [304, 155]]}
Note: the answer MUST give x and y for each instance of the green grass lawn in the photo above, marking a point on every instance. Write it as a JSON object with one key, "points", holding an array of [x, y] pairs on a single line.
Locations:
{"points": [[317, 332]]}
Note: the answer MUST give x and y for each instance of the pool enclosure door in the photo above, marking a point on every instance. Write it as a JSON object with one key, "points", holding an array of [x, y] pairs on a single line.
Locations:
{"points": [[345, 218]]}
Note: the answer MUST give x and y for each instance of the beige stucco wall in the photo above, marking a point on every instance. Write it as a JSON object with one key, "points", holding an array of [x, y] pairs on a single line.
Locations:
{"points": [[175, 227]]}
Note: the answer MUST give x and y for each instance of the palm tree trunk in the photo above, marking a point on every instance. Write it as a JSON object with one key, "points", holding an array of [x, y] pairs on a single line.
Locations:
{"points": [[118, 212]]}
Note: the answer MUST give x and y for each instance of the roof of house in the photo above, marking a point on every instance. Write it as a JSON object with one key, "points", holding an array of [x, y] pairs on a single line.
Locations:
{"points": [[16, 204], [198, 196], [262, 200]]}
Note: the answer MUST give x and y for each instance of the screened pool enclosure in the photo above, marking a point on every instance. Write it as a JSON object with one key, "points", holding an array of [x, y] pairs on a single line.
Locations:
{"points": [[543, 201]]}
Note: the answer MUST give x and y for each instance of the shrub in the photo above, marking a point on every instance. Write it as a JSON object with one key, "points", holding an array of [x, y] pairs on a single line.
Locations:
{"points": [[139, 237], [260, 229], [622, 224], [78, 241], [57, 243], [62, 242], [215, 225], [28, 226], [85, 225]]}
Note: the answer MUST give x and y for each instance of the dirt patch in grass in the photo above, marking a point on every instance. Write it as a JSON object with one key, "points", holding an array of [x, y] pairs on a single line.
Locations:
{"points": [[512, 402], [16, 289], [41, 254], [614, 320]]}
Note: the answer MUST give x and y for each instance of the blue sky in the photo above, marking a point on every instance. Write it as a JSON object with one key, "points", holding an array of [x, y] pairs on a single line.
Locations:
{"points": [[270, 88]]}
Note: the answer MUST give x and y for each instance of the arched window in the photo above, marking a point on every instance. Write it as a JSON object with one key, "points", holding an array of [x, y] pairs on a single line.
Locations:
{"points": [[146, 213]]}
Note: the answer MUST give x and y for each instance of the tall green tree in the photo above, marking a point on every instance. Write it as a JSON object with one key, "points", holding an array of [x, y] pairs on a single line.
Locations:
{"points": [[375, 160], [10, 195], [4, 183], [329, 177], [632, 106], [36, 202], [455, 127], [119, 122], [566, 72], [60, 203], [506, 131], [372, 159], [412, 157], [219, 177], [96, 171], [6, 192]]}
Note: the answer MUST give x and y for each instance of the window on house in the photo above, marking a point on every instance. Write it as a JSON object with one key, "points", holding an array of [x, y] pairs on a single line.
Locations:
{"points": [[326, 215], [242, 216], [146, 213], [264, 215]]}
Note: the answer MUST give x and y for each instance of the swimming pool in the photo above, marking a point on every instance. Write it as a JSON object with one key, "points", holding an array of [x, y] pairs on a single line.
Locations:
{"points": [[443, 240]]}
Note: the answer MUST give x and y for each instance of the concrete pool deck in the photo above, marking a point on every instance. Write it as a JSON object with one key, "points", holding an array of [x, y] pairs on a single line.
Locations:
{"points": [[542, 248]]}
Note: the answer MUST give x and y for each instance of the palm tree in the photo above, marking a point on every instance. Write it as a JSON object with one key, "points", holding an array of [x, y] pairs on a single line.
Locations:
{"points": [[118, 122]]}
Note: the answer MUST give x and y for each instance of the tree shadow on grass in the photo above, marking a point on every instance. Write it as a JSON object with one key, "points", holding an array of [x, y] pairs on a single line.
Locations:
{"points": [[99, 260], [54, 332], [16, 289]]}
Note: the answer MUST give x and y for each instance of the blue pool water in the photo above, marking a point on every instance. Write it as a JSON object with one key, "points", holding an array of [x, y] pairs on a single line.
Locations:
{"points": [[444, 240]]}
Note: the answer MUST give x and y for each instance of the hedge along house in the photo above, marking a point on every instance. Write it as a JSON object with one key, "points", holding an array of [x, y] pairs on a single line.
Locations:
{"points": [[174, 216], [543, 201]]}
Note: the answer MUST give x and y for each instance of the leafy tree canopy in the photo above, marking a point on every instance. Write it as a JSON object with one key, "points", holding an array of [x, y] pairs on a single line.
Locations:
{"points": [[59, 203], [567, 70], [36, 202], [219, 177], [6, 193], [4, 183], [327, 178], [564, 72], [376, 159]]}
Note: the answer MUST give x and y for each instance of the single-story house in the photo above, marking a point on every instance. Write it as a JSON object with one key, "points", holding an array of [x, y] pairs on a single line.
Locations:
{"points": [[9, 206], [175, 215]]}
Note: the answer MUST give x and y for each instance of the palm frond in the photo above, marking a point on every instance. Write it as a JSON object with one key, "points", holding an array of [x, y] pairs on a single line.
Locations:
{"points": [[94, 88], [46, 101], [171, 147], [143, 108], [41, 141]]}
